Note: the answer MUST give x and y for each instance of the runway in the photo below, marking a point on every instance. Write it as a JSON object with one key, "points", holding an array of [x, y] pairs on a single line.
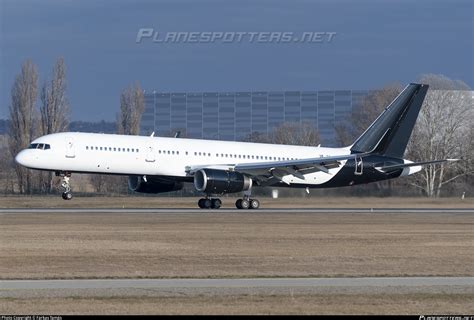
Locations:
{"points": [[227, 210], [236, 283]]}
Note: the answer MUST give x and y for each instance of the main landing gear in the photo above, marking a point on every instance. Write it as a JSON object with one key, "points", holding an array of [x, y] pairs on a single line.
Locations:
{"points": [[216, 203], [247, 203], [209, 203], [65, 184]]}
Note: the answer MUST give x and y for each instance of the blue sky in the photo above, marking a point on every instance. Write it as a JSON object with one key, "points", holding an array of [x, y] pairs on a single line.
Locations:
{"points": [[376, 42]]}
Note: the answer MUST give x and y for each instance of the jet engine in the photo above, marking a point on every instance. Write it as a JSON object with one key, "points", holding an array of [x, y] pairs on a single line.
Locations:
{"points": [[212, 181], [152, 184]]}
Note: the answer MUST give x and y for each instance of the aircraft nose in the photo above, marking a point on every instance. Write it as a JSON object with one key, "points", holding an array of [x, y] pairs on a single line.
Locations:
{"points": [[22, 158]]}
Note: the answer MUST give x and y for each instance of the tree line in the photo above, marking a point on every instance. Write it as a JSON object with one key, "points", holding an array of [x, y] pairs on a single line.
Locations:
{"points": [[444, 129], [27, 121]]}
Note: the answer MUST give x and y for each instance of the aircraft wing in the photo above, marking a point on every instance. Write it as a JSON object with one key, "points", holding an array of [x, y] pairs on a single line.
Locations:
{"points": [[270, 172]]}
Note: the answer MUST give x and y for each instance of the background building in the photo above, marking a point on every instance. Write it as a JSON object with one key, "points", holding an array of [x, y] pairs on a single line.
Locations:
{"points": [[236, 115]]}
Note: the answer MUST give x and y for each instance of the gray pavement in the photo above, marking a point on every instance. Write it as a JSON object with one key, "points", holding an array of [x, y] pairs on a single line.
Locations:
{"points": [[236, 283]]}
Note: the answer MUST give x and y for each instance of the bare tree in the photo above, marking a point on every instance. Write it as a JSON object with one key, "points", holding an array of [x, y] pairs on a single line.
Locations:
{"points": [[7, 171], [54, 112], [132, 105], [131, 109], [444, 124], [303, 134], [364, 114], [257, 137], [109, 184], [55, 107], [441, 82], [295, 133], [469, 161], [22, 118]]}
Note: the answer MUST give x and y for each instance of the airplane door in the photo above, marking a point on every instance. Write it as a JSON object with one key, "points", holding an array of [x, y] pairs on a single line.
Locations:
{"points": [[70, 148], [150, 155], [359, 166]]}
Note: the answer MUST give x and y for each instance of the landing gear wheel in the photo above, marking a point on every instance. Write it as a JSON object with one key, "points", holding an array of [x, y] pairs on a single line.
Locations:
{"points": [[216, 203], [242, 204], [200, 203], [67, 195], [205, 203], [245, 204], [254, 204], [238, 204]]}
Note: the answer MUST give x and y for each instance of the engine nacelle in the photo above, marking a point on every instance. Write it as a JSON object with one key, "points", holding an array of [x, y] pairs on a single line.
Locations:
{"points": [[152, 184], [211, 181]]}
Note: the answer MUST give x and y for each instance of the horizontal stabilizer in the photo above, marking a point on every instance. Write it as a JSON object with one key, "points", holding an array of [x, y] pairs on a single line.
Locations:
{"points": [[413, 164]]}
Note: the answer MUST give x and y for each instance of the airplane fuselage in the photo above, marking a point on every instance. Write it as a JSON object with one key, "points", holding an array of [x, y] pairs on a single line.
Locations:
{"points": [[172, 157]]}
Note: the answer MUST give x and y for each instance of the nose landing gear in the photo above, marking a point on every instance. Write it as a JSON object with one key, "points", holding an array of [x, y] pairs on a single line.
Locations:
{"points": [[65, 184]]}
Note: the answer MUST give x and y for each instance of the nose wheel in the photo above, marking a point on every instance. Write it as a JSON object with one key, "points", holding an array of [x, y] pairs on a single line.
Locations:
{"points": [[67, 195]]}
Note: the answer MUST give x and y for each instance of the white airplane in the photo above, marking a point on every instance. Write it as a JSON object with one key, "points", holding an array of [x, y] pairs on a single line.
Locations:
{"points": [[156, 164]]}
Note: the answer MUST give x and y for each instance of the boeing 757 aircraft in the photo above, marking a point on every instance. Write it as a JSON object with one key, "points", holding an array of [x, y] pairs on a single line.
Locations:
{"points": [[156, 164]]}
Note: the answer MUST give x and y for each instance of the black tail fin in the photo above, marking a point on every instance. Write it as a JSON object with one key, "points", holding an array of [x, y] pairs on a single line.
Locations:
{"points": [[388, 135]]}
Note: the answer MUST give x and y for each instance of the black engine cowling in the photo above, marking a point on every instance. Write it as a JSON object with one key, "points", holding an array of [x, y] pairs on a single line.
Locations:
{"points": [[211, 181], [153, 184]]}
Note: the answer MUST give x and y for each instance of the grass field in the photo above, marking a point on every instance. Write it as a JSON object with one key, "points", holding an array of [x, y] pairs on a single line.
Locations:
{"points": [[416, 303], [219, 244]]}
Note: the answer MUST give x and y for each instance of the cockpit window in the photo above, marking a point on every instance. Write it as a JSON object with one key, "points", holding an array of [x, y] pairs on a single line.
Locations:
{"points": [[40, 146]]}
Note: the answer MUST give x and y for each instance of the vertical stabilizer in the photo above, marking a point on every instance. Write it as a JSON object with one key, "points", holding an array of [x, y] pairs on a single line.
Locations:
{"points": [[388, 135]]}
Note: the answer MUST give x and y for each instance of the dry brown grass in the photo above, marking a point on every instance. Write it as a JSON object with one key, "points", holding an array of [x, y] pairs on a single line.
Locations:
{"points": [[190, 202], [416, 303], [219, 244]]}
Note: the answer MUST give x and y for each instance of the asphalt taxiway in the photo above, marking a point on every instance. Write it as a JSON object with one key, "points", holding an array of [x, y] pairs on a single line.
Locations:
{"points": [[236, 283]]}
